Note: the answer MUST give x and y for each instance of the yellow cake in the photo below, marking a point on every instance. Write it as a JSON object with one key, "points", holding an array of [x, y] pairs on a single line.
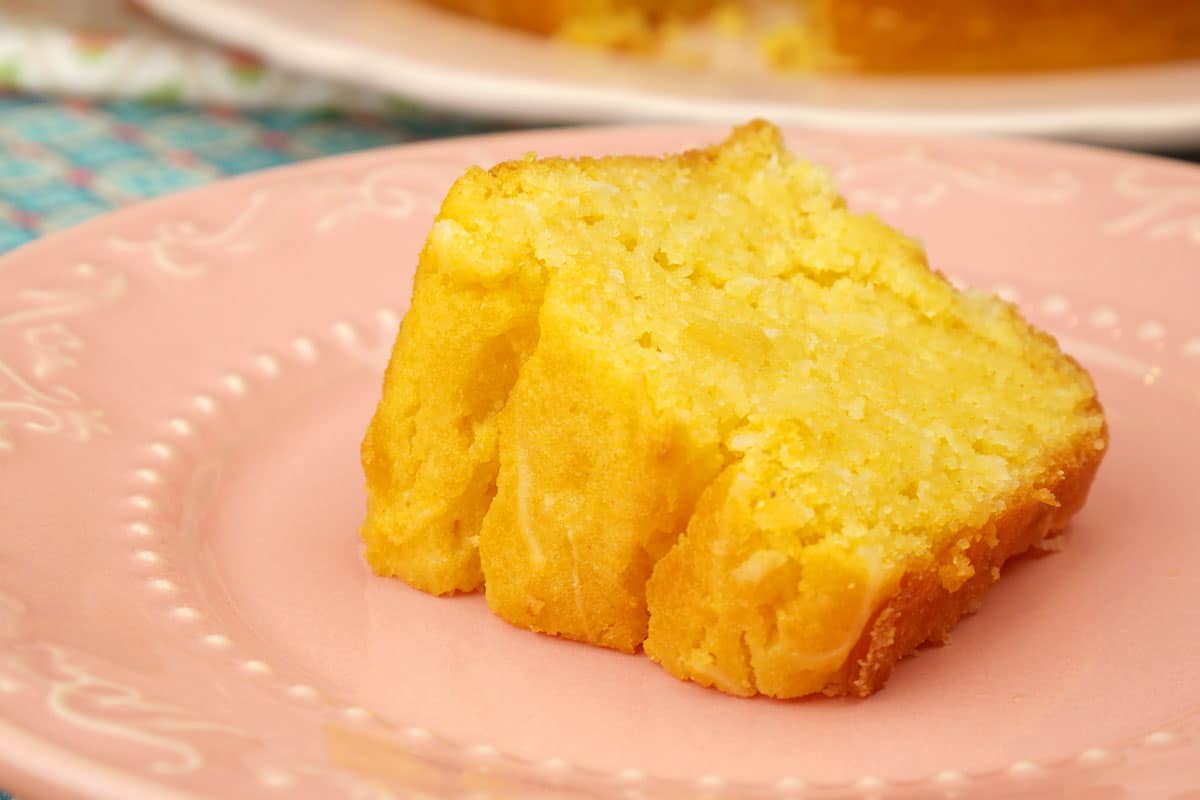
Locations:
{"points": [[694, 404], [919, 36]]}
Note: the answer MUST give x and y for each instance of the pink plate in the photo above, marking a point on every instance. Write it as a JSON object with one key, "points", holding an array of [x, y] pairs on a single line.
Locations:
{"points": [[184, 610]]}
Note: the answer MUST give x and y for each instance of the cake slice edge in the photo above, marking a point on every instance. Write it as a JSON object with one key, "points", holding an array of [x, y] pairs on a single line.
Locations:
{"points": [[918, 604]]}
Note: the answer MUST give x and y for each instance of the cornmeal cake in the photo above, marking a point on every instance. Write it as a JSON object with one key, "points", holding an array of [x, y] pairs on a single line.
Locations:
{"points": [[694, 404], [889, 36]]}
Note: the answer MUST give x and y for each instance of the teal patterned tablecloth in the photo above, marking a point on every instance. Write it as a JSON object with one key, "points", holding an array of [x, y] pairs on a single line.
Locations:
{"points": [[62, 162]]}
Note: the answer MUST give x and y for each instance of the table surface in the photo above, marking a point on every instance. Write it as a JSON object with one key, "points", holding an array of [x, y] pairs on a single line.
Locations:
{"points": [[62, 162]]}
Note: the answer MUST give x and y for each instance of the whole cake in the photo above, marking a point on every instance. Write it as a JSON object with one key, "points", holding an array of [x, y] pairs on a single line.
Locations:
{"points": [[694, 404], [917, 36]]}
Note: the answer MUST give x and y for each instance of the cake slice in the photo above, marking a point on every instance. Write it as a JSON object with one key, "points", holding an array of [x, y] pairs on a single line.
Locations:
{"points": [[694, 404]]}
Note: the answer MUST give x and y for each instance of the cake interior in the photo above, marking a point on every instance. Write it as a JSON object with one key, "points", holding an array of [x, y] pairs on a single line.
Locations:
{"points": [[863, 399]]}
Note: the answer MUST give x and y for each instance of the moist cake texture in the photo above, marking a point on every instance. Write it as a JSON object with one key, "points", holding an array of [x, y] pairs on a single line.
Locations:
{"points": [[695, 405]]}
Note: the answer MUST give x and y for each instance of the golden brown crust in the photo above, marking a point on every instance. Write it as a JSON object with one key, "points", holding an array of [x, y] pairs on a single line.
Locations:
{"points": [[538, 16], [919, 36], [1004, 35], [924, 610]]}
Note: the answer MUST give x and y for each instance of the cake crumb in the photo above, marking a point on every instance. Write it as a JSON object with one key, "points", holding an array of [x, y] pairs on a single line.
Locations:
{"points": [[1052, 544]]}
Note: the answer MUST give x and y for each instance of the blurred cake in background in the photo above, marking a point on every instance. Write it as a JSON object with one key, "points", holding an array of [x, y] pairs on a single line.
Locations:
{"points": [[897, 36]]}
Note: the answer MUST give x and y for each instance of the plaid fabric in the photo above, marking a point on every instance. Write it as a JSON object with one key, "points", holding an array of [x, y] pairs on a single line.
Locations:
{"points": [[62, 162]]}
